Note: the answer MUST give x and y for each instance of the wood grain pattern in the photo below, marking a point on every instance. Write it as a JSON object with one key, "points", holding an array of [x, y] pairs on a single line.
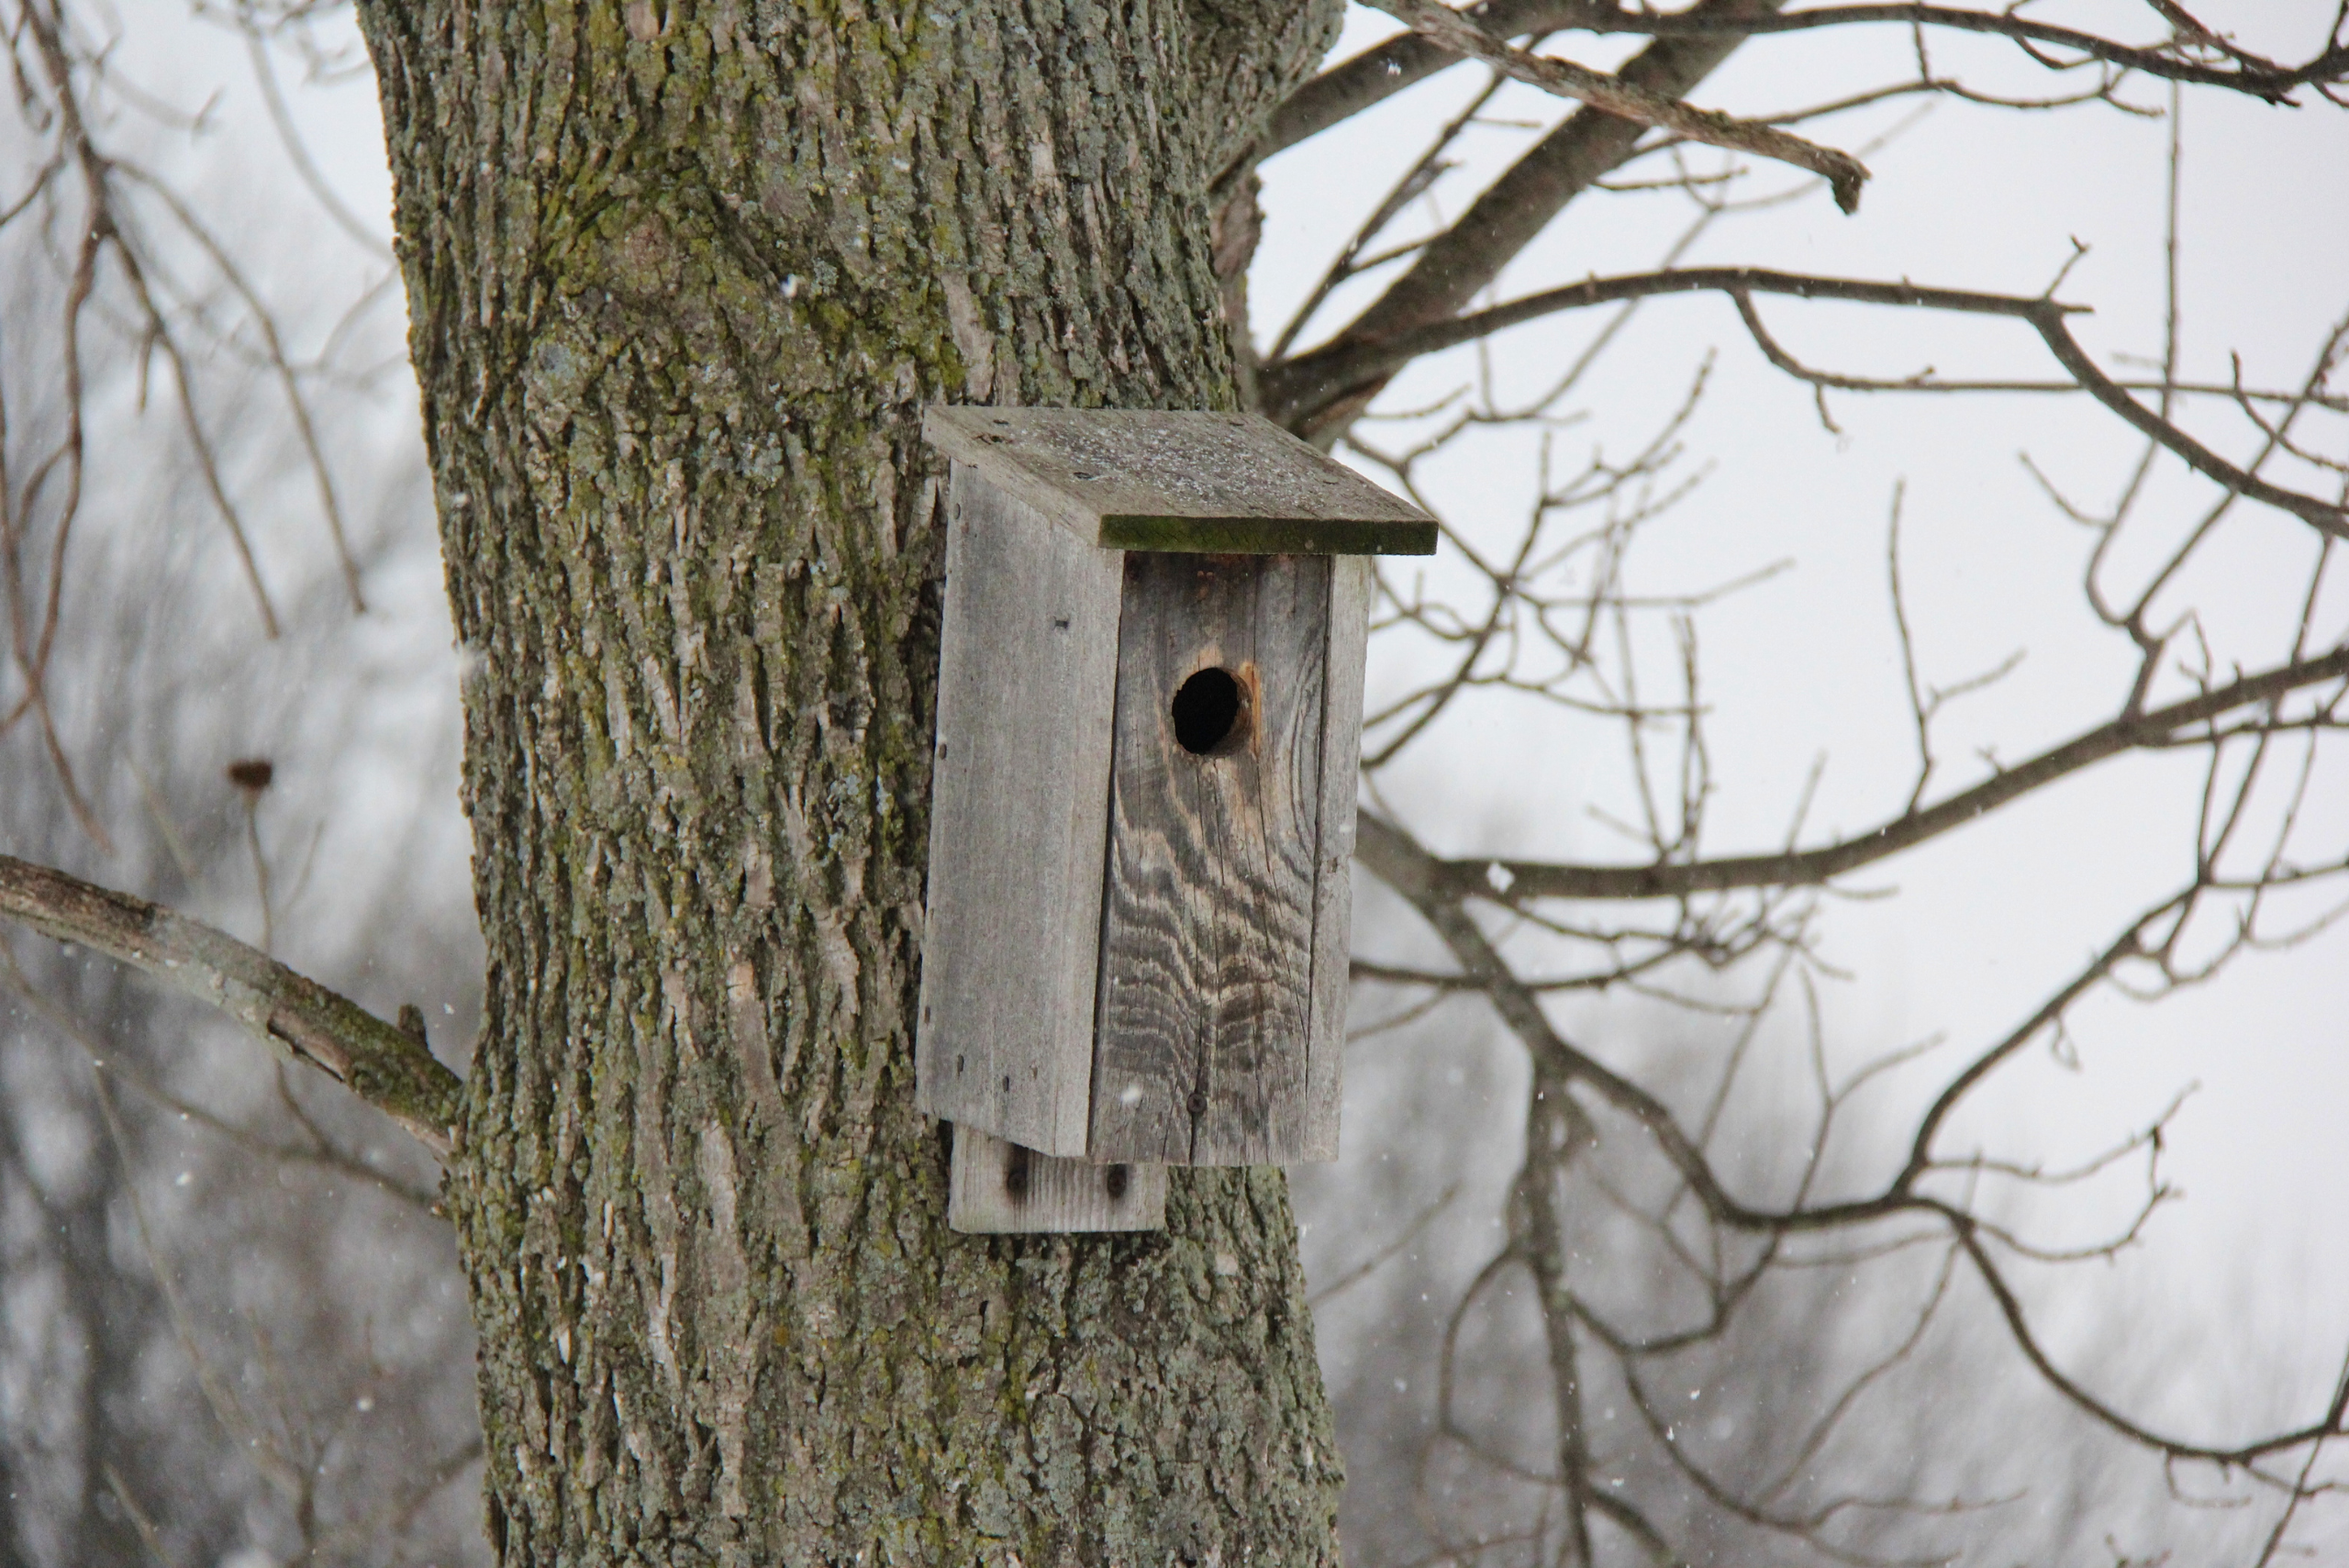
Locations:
{"points": [[1000, 1188], [1027, 678], [1352, 581], [1145, 480], [1206, 945]]}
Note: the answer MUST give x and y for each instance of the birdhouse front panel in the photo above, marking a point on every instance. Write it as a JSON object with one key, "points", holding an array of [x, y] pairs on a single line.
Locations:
{"points": [[1207, 948]]}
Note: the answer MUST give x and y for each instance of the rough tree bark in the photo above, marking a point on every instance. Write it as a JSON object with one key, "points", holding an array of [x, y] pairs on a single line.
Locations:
{"points": [[681, 276]]}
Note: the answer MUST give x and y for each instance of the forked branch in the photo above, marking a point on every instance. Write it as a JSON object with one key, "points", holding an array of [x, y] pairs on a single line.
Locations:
{"points": [[1627, 100], [1403, 865], [2219, 65], [1295, 390], [1386, 69]]}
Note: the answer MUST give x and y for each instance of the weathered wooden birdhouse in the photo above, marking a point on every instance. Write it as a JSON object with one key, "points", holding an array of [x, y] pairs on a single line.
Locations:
{"points": [[1149, 724]]}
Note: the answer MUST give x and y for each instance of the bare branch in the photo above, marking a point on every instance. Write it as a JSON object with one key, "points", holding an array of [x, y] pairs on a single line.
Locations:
{"points": [[1403, 865], [97, 171], [273, 350], [1294, 391], [1454, 266], [1486, 878], [139, 1518], [297, 152], [1628, 100], [295, 1017], [1384, 1254], [2328, 516], [1400, 863], [2017, 1323], [1384, 69], [320, 1152], [2248, 73], [2301, 1491]]}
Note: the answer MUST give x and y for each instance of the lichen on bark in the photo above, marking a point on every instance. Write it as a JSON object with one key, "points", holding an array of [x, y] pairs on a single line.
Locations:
{"points": [[682, 276]]}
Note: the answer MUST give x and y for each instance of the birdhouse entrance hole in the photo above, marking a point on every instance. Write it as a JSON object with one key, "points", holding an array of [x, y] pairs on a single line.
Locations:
{"points": [[1211, 714]]}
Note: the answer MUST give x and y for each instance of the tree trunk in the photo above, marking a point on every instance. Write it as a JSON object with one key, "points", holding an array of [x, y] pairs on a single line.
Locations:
{"points": [[682, 276]]}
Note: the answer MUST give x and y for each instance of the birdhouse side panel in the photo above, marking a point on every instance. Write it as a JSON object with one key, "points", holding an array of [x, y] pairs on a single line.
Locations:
{"points": [[1216, 792], [1352, 581], [1019, 824]]}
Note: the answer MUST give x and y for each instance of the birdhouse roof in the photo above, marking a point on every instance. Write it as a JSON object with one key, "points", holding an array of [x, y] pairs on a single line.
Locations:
{"points": [[1217, 483]]}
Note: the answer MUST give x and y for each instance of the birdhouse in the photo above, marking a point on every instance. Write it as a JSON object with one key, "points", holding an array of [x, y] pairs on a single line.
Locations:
{"points": [[1149, 727]]}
